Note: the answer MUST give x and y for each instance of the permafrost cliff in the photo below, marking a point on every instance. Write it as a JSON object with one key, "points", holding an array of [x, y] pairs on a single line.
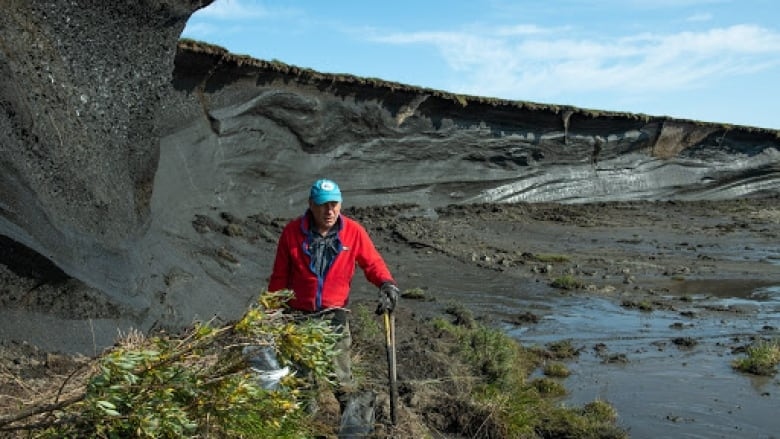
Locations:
{"points": [[120, 144]]}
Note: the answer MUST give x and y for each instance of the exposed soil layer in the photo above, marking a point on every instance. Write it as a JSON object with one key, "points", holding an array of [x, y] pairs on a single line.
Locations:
{"points": [[491, 258]]}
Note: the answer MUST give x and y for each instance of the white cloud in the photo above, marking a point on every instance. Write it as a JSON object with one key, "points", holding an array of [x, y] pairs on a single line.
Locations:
{"points": [[533, 63]]}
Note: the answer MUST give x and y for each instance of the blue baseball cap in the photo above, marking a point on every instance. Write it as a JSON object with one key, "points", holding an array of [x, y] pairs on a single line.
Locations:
{"points": [[324, 191]]}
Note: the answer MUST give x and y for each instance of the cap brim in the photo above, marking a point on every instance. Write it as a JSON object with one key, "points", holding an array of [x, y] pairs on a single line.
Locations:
{"points": [[322, 200]]}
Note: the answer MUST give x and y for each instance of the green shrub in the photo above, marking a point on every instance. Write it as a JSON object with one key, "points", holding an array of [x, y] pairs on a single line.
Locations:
{"points": [[198, 384]]}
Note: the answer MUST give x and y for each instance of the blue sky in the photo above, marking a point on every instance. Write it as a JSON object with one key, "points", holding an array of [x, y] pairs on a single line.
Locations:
{"points": [[709, 60]]}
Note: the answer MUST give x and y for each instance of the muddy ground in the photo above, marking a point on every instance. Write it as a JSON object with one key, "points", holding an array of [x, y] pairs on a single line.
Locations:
{"points": [[639, 256]]}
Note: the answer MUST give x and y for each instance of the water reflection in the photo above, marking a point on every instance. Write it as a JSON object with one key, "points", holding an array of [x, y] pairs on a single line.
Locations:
{"points": [[666, 388]]}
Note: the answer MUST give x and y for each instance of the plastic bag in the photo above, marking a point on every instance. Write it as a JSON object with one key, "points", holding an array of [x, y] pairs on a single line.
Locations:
{"points": [[262, 360]]}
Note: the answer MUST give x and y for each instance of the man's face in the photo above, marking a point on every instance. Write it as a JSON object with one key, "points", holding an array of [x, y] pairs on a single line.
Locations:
{"points": [[325, 215]]}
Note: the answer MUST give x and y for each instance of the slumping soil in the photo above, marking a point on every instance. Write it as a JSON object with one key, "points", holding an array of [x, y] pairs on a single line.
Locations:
{"points": [[632, 252]]}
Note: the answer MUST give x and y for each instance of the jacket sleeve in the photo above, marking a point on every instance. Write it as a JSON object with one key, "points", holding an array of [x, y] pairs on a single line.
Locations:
{"points": [[370, 261], [280, 275]]}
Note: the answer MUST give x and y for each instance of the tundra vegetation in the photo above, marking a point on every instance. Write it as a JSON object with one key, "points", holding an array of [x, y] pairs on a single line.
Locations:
{"points": [[761, 358], [567, 282], [198, 383], [551, 257]]}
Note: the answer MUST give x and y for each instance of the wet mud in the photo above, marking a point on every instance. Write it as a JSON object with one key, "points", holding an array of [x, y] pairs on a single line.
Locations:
{"points": [[660, 298], [667, 296]]}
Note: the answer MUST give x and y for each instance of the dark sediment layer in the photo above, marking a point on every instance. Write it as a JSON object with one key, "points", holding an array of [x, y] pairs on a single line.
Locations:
{"points": [[120, 148]]}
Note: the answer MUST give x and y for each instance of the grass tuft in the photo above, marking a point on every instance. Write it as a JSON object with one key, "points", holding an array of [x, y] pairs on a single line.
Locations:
{"points": [[761, 358], [567, 282], [562, 349], [500, 400], [550, 257], [548, 387], [414, 294], [556, 369]]}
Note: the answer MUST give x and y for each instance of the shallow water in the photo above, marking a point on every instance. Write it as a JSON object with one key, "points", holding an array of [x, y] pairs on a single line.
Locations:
{"points": [[665, 389]]}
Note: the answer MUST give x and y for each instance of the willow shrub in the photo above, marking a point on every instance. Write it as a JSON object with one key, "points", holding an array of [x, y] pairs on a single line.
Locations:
{"points": [[198, 384]]}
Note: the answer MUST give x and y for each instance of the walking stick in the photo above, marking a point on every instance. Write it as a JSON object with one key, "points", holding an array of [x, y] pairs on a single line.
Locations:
{"points": [[390, 344]]}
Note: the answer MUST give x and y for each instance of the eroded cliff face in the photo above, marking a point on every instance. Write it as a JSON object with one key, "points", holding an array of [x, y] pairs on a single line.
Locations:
{"points": [[119, 153], [83, 82], [288, 125]]}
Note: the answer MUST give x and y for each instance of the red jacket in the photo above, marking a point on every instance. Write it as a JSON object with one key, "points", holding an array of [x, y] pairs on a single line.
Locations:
{"points": [[292, 265]]}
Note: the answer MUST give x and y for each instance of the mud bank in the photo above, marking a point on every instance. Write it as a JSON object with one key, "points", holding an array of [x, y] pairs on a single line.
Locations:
{"points": [[670, 294], [649, 273], [234, 134]]}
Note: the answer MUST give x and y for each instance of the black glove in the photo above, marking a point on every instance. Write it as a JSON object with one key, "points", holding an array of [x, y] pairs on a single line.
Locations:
{"points": [[388, 297]]}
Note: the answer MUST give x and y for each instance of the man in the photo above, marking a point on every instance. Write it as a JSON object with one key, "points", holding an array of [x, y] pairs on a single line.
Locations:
{"points": [[316, 257]]}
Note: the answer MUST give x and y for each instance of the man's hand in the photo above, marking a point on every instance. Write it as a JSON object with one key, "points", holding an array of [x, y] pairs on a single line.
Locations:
{"points": [[388, 297]]}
